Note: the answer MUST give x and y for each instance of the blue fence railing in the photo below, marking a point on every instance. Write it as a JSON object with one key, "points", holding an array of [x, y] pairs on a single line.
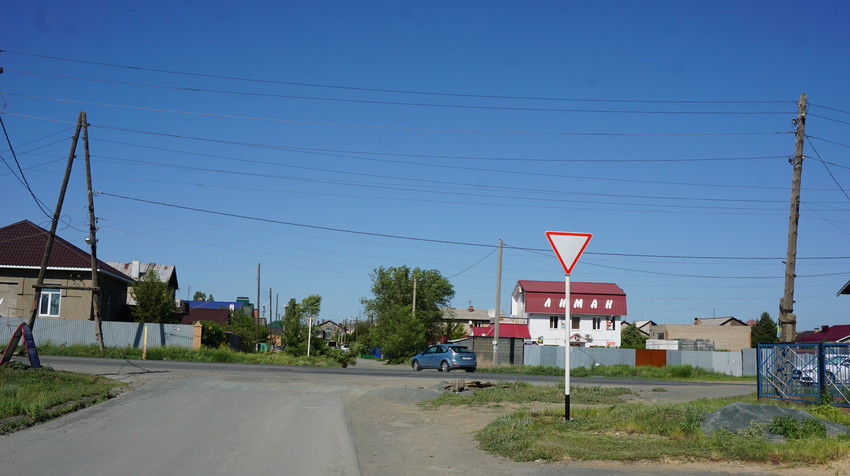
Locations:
{"points": [[805, 373]]}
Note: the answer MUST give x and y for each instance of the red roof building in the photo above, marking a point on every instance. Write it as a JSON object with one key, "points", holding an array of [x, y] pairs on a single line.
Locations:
{"points": [[595, 310], [505, 330], [839, 333]]}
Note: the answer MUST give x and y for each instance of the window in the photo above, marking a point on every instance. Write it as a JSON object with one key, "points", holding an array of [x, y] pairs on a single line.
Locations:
{"points": [[49, 305], [597, 323], [576, 322], [553, 322]]}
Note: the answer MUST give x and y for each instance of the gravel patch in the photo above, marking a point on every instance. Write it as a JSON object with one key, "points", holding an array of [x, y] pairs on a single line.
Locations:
{"points": [[738, 416]]}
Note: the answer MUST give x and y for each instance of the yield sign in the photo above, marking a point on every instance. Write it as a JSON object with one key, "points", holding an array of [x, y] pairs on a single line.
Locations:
{"points": [[568, 247]]}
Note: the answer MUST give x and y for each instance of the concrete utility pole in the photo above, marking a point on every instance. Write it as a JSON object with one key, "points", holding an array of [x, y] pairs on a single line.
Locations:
{"points": [[787, 318], [498, 310], [56, 214]]}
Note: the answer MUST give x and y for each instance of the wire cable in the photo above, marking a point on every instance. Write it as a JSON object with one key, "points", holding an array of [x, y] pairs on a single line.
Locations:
{"points": [[382, 90], [384, 127], [411, 238], [22, 178], [828, 170], [393, 103]]}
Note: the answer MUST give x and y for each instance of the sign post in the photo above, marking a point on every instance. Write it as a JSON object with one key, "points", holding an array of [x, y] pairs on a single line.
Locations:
{"points": [[23, 330], [568, 248]]}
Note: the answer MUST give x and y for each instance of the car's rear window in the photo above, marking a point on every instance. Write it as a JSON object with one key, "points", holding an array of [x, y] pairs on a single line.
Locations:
{"points": [[462, 349]]}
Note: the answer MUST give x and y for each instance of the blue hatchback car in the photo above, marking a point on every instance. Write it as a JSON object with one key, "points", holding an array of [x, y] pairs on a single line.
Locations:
{"points": [[445, 357]]}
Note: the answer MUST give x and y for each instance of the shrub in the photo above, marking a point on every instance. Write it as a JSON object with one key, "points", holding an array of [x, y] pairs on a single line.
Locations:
{"points": [[212, 335]]}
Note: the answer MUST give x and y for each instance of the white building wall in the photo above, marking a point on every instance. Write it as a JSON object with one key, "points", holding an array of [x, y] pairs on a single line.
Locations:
{"points": [[538, 326]]}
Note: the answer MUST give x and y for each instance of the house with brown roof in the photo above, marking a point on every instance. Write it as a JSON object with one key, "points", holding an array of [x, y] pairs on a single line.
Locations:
{"points": [[21, 248], [596, 311]]}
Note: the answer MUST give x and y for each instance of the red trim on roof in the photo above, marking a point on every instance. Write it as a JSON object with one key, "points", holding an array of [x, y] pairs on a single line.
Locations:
{"points": [[833, 334], [505, 330], [575, 287], [587, 304], [23, 245], [595, 299]]}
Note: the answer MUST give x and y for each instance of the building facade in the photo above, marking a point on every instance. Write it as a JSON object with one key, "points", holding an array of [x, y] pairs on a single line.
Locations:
{"points": [[69, 270], [596, 312]]}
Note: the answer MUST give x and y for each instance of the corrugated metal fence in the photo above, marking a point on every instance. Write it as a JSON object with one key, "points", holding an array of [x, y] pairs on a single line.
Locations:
{"points": [[730, 363], [115, 334]]}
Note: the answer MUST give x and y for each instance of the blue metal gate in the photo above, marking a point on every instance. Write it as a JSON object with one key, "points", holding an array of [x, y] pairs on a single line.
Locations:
{"points": [[805, 373]]}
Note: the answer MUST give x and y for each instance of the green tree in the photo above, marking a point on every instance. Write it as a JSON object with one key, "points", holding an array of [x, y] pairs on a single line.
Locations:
{"points": [[763, 331], [199, 296], [154, 301], [210, 298], [294, 337], [399, 330], [246, 328], [311, 305], [631, 337]]}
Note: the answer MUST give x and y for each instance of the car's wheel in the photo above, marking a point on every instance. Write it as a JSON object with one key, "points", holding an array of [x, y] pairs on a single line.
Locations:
{"points": [[444, 366], [416, 366], [470, 370]]}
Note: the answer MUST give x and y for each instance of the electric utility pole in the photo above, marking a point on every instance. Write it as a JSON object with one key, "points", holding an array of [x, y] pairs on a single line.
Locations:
{"points": [[787, 318], [257, 310], [39, 284], [92, 239], [498, 310]]}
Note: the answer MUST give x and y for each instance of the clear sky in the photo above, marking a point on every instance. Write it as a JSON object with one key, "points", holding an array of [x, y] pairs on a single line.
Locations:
{"points": [[326, 139]]}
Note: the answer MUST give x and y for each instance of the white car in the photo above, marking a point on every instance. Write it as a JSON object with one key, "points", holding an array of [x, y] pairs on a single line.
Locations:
{"points": [[836, 369]]}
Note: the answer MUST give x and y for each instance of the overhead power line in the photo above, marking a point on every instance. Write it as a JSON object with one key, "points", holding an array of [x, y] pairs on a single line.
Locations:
{"points": [[22, 178], [386, 127], [412, 238], [385, 90], [394, 103]]}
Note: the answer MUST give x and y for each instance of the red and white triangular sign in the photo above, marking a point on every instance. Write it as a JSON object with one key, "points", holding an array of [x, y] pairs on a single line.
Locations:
{"points": [[568, 247]]}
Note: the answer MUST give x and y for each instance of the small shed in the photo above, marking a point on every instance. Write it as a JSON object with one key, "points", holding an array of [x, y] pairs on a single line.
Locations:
{"points": [[512, 339]]}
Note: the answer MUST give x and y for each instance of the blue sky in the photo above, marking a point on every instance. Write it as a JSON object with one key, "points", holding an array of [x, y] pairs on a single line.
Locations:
{"points": [[326, 139]]}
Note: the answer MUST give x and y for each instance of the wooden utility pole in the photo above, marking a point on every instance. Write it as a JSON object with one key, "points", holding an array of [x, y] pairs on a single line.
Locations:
{"points": [[95, 293], [787, 318], [498, 307], [56, 214], [257, 309]]}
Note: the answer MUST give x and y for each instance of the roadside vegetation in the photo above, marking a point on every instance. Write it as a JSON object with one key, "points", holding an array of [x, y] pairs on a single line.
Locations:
{"points": [[330, 358], [670, 372], [29, 396], [604, 427]]}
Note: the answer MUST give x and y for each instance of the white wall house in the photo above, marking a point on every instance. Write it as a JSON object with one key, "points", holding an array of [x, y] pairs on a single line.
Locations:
{"points": [[596, 312]]}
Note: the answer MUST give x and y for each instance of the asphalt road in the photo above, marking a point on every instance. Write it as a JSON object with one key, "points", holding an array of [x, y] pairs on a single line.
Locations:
{"points": [[188, 418]]}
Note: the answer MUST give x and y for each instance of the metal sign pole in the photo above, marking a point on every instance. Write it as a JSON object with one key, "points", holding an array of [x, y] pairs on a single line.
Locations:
{"points": [[567, 348]]}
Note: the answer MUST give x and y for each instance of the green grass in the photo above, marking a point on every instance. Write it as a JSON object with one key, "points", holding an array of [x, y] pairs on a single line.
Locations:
{"points": [[185, 354], [29, 396], [603, 427], [670, 372], [644, 432], [523, 392]]}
